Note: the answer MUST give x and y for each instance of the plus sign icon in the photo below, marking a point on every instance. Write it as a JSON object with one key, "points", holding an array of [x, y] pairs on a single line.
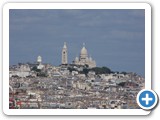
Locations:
{"points": [[147, 99]]}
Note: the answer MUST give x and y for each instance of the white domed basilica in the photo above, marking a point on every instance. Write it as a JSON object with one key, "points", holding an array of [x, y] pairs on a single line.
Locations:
{"points": [[84, 59]]}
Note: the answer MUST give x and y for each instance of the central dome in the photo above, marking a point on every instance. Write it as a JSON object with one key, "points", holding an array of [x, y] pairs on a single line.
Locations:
{"points": [[83, 51]]}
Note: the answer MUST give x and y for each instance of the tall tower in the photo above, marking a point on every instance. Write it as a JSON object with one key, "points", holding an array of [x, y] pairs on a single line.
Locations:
{"points": [[64, 54]]}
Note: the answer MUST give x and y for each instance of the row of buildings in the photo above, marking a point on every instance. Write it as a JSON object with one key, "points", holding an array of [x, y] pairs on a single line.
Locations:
{"points": [[64, 89]]}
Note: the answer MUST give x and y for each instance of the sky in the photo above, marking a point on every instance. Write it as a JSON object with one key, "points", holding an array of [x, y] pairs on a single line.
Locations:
{"points": [[114, 38]]}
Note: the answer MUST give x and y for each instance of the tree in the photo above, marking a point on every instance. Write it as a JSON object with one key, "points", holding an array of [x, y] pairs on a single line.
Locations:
{"points": [[124, 73], [35, 69], [101, 70], [71, 69], [42, 74], [85, 71]]}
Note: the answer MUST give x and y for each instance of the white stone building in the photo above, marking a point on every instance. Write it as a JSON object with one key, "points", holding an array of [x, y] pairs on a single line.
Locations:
{"points": [[39, 61], [84, 59], [23, 71]]}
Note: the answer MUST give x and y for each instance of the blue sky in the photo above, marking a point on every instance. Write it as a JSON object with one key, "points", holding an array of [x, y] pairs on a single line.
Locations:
{"points": [[114, 38]]}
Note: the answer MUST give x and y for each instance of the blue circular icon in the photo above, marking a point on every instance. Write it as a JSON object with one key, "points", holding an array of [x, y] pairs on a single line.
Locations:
{"points": [[147, 99]]}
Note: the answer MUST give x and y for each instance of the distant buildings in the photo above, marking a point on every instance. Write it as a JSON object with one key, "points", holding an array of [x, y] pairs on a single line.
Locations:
{"points": [[43, 86], [21, 71], [64, 89]]}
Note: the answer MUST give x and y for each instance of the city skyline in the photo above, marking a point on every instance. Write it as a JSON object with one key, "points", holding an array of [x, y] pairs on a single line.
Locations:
{"points": [[115, 38]]}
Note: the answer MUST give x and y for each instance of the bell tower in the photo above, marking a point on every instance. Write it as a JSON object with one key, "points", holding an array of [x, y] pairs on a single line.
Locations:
{"points": [[64, 54]]}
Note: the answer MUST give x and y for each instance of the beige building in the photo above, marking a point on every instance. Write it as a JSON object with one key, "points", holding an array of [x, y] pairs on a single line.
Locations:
{"points": [[84, 59]]}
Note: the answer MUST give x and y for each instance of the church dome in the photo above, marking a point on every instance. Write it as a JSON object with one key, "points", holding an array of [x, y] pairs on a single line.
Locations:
{"points": [[90, 58], [76, 59], [39, 59], [83, 51]]}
